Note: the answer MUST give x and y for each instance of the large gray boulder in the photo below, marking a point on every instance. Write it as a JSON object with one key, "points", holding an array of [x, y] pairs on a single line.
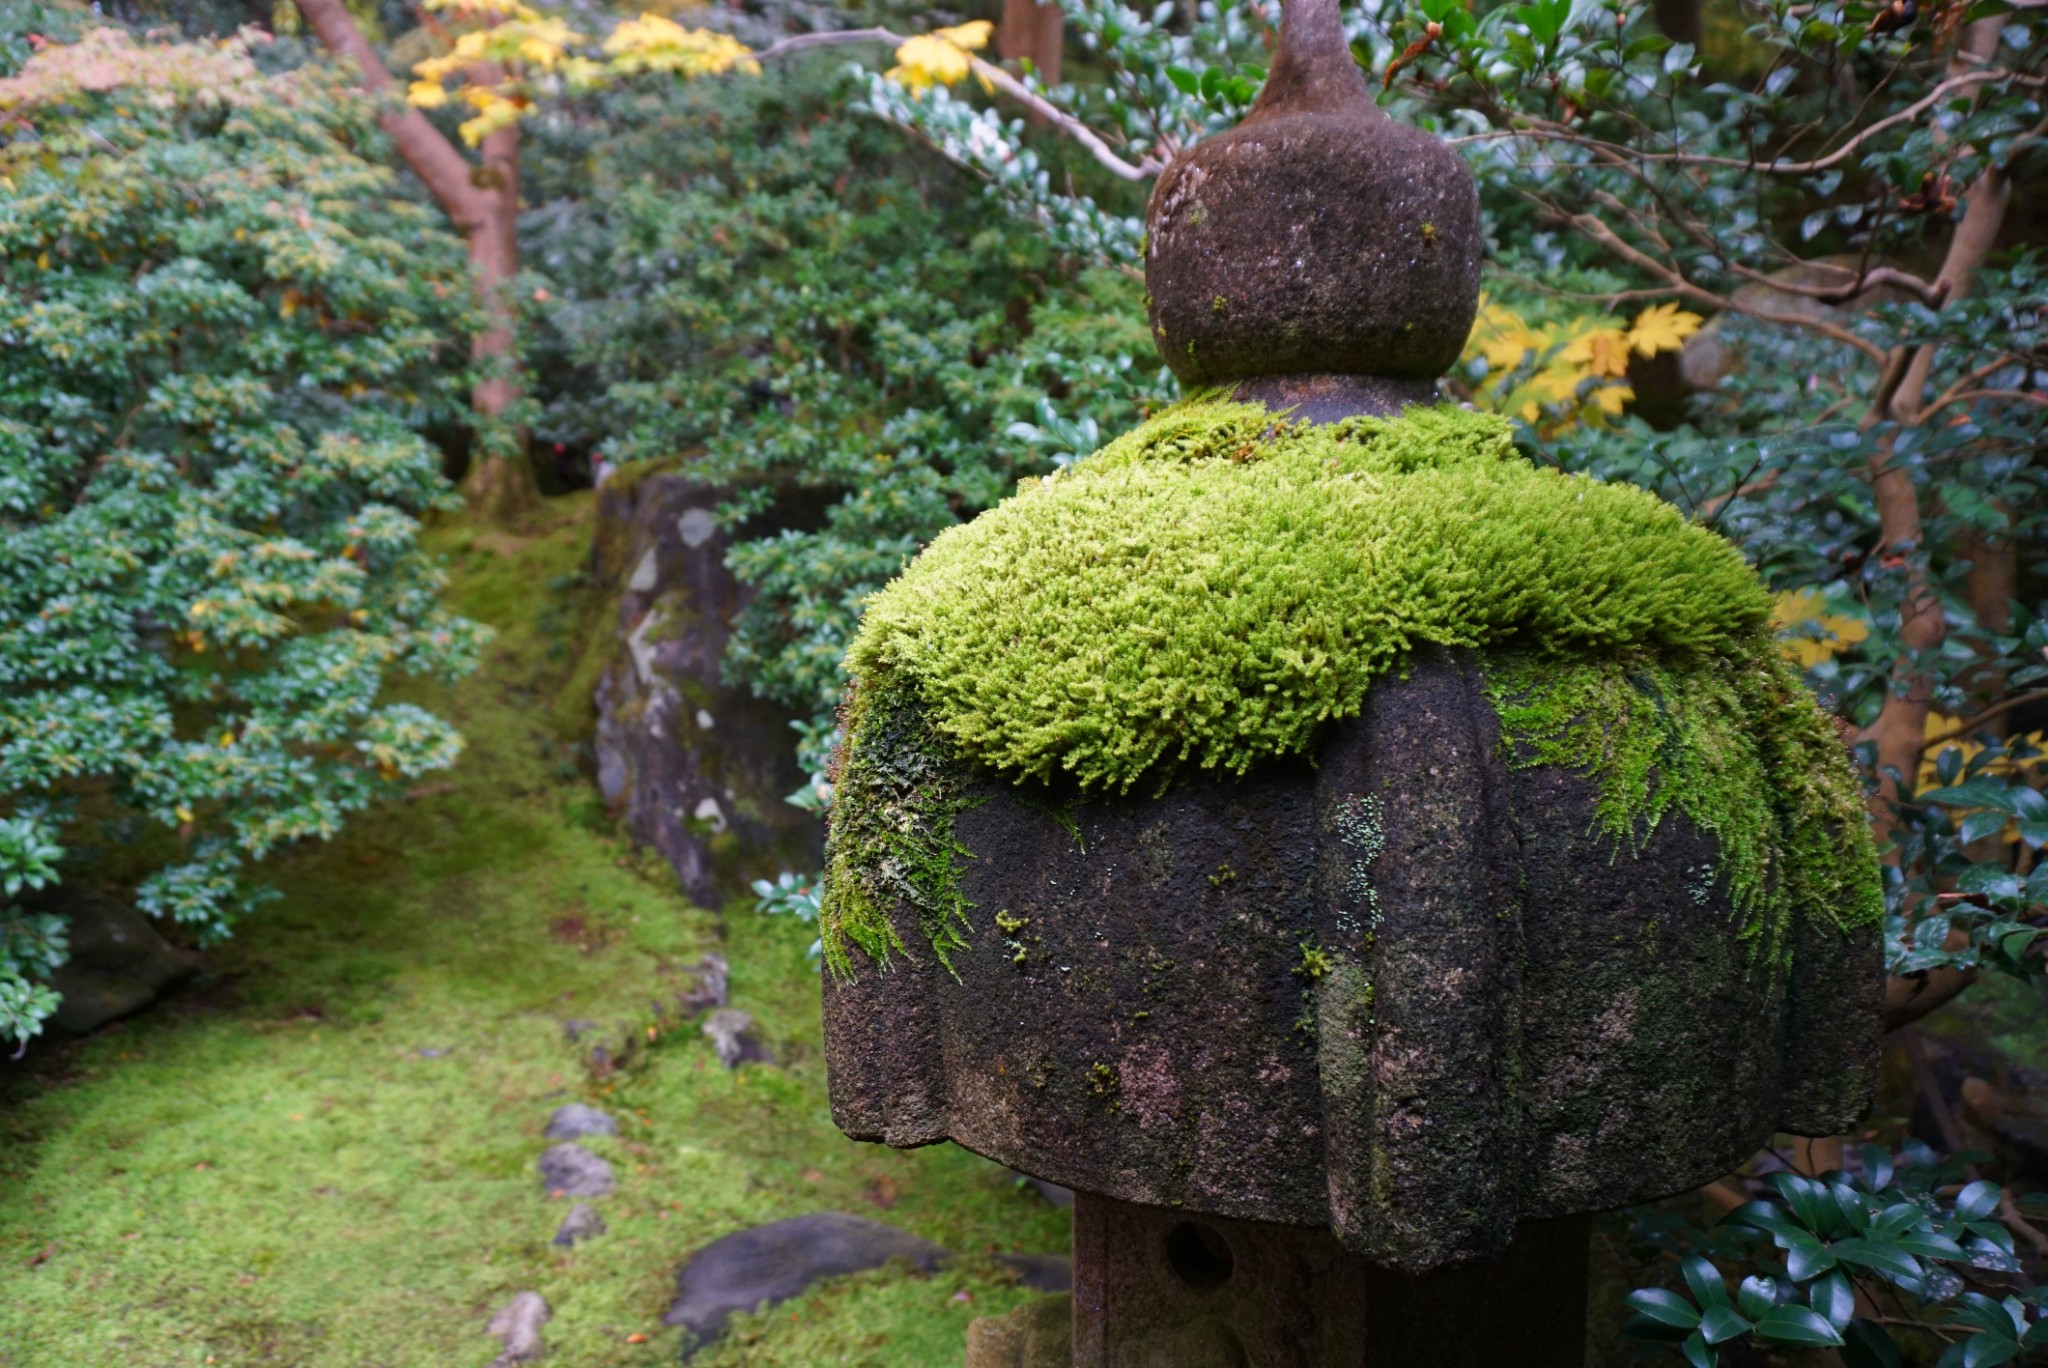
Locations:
{"points": [[118, 965], [693, 766]]}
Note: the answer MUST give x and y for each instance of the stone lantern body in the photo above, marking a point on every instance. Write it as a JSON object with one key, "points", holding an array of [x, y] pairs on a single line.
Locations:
{"points": [[1338, 1052]]}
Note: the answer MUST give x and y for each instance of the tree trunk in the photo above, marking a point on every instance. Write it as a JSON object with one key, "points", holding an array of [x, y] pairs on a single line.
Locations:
{"points": [[1901, 726], [1678, 20], [483, 204], [1033, 32], [1991, 585], [1900, 731], [500, 481]]}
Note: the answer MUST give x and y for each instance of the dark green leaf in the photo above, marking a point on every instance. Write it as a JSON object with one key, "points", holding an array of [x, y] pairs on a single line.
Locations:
{"points": [[1887, 1259], [1927, 1244], [1989, 881], [1756, 1295], [1798, 1326], [1896, 1220], [1705, 1281], [1806, 1257], [1766, 1216], [1975, 793], [1866, 1344], [1977, 1201], [1833, 1298], [1663, 1307], [1986, 1314], [1982, 1351], [1982, 823], [1723, 1323]]}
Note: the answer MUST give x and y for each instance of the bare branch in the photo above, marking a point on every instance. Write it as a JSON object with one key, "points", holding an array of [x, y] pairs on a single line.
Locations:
{"points": [[1144, 169], [1859, 281], [446, 173], [1091, 141], [1970, 724], [1643, 261], [1946, 90]]}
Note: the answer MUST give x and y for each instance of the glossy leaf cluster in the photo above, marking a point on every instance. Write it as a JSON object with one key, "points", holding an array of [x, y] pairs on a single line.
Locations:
{"points": [[1838, 1261]]}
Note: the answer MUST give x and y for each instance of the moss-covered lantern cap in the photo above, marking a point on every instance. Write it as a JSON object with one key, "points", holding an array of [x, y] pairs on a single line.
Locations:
{"points": [[1317, 238]]}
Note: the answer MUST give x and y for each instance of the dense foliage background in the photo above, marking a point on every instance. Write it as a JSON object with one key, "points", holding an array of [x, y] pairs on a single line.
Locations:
{"points": [[224, 326], [1779, 262], [826, 317]]}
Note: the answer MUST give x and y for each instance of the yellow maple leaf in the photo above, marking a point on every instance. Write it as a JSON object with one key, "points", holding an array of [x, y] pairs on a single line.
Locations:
{"points": [[972, 36], [1609, 399], [426, 94], [1501, 337], [1809, 633], [926, 61], [654, 43], [1598, 351], [941, 57], [1662, 328]]}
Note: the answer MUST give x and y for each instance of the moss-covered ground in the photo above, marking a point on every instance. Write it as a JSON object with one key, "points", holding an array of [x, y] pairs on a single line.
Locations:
{"points": [[323, 1153]]}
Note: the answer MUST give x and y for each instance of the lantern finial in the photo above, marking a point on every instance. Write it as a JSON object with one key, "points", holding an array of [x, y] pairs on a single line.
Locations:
{"points": [[1319, 240]]}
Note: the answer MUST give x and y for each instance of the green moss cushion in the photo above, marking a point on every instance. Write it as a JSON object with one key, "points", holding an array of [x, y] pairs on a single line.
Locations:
{"points": [[1207, 591], [1212, 587]]}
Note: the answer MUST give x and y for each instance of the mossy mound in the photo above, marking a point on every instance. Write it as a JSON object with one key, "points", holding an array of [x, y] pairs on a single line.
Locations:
{"points": [[1208, 591], [1211, 588]]}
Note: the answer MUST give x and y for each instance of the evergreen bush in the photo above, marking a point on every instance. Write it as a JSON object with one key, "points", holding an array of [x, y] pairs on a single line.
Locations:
{"points": [[224, 328]]}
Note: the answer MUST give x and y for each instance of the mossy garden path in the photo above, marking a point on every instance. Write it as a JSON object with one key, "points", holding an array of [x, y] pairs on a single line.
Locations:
{"points": [[324, 1153]]}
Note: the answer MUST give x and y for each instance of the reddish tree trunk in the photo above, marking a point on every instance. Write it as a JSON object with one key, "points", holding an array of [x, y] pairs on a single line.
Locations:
{"points": [[1902, 725], [483, 204], [1900, 731], [1034, 32]]}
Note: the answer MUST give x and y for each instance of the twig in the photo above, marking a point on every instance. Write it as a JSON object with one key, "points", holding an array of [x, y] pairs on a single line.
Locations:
{"points": [[1976, 720], [2010, 1214], [1555, 132], [1143, 169], [1600, 232]]}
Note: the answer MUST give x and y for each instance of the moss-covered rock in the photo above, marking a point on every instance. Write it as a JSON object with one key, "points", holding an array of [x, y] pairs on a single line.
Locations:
{"points": [[1207, 592], [1211, 588]]}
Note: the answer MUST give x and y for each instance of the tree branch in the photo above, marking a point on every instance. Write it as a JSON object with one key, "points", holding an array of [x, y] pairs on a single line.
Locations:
{"points": [[446, 173], [1946, 90], [1859, 281], [1970, 724], [1643, 261], [1143, 169]]}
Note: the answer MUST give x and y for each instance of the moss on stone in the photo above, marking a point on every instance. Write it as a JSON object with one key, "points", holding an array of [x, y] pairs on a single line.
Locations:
{"points": [[1210, 589], [898, 791], [1737, 746]]}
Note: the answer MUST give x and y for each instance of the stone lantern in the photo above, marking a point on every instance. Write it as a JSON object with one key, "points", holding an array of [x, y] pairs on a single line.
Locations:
{"points": [[1343, 1016]]}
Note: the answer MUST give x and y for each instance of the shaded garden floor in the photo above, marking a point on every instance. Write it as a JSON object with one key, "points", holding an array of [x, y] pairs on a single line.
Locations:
{"points": [[324, 1152]]}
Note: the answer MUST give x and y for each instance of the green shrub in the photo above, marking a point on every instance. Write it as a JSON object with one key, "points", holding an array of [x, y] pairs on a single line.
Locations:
{"points": [[222, 328], [841, 326]]}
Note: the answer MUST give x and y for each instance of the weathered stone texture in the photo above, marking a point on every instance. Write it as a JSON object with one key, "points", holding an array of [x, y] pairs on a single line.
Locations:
{"points": [[1400, 990], [1317, 236], [695, 767]]}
